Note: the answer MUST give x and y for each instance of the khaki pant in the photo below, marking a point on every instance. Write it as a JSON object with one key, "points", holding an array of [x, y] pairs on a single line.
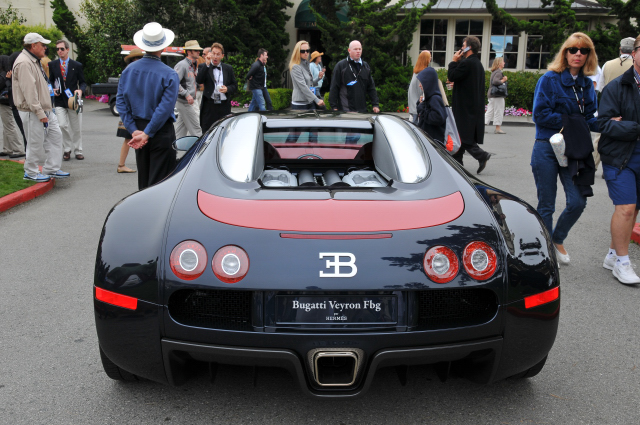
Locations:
{"points": [[188, 120], [71, 126], [495, 111], [44, 145], [12, 139]]}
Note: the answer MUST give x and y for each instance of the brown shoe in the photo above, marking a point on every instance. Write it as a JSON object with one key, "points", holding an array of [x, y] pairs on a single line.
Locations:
{"points": [[79, 156], [125, 169], [66, 156]]}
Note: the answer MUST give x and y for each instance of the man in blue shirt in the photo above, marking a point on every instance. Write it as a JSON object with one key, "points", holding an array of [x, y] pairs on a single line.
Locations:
{"points": [[147, 93]]}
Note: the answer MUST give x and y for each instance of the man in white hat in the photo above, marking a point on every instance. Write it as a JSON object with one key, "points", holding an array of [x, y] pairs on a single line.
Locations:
{"points": [[147, 93], [188, 121], [32, 96]]}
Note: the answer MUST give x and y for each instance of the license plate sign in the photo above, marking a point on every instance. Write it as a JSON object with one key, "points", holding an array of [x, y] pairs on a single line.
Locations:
{"points": [[315, 310]]}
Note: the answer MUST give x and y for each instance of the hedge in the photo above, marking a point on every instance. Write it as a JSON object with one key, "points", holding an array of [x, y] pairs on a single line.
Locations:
{"points": [[280, 98], [12, 36], [520, 86]]}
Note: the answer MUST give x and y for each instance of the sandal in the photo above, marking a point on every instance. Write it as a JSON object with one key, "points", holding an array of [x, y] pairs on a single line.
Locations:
{"points": [[124, 169]]}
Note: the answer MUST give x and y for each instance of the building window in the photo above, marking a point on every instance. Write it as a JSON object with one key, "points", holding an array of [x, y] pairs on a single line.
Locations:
{"points": [[465, 27], [433, 37], [537, 52], [504, 42]]}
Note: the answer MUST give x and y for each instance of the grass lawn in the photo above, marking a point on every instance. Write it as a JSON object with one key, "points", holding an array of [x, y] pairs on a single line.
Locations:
{"points": [[11, 174]]}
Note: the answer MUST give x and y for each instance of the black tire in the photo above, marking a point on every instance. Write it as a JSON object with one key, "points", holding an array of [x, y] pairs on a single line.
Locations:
{"points": [[532, 371], [114, 372], [112, 107]]}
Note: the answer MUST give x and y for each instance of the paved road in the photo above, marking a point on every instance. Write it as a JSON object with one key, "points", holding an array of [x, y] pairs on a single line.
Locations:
{"points": [[50, 370]]}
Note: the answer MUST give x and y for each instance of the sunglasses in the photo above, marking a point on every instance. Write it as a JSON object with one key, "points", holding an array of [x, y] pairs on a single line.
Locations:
{"points": [[304, 51], [583, 50], [61, 48]]}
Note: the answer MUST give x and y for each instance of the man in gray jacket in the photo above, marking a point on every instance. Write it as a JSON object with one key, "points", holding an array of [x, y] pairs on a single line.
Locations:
{"points": [[188, 120], [32, 96]]}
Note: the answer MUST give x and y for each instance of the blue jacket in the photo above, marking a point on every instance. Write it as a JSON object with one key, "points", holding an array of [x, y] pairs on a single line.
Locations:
{"points": [[554, 97], [620, 98], [147, 90]]}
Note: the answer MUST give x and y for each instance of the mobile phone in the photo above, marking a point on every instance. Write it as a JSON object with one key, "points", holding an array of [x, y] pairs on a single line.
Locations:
{"points": [[466, 49]]}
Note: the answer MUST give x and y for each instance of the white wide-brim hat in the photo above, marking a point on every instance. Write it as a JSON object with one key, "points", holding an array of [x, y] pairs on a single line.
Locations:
{"points": [[153, 37]]}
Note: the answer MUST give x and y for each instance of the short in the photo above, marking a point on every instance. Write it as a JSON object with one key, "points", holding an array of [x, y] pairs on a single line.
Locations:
{"points": [[624, 185], [123, 132]]}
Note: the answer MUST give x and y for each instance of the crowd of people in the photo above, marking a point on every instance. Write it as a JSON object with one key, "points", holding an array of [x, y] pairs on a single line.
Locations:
{"points": [[46, 109]]}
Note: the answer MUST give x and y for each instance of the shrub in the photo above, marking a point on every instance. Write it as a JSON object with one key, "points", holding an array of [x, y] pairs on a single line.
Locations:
{"points": [[280, 98], [12, 36], [520, 87]]}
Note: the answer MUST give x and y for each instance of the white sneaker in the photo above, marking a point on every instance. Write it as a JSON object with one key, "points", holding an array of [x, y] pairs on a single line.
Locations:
{"points": [[562, 258], [609, 262], [625, 274]]}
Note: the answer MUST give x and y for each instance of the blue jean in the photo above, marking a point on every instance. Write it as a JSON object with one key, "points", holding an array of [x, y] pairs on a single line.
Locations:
{"points": [[260, 101], [546, 171]]}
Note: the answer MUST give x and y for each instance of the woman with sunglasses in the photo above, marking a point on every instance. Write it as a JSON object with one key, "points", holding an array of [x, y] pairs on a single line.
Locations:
{"points": [[303, 97], [564, 90]]}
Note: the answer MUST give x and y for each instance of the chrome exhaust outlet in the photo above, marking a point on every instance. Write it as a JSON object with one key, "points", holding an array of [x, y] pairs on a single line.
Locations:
{"points": [[336, 367]]}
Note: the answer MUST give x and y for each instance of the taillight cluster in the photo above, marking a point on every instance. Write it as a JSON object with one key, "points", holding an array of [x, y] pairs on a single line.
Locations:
{"points": [[441, 264], [188, 261]]}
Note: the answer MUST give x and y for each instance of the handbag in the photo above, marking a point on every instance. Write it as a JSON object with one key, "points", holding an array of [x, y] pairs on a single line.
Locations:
{"points": [[558, 146], [500, 90], [452, 140]]}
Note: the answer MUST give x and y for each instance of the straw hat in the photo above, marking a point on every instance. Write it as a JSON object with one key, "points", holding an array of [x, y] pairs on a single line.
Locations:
{"points": [[135, 53], [192, 45], [153, 38], [73, 102], [314, 55]]}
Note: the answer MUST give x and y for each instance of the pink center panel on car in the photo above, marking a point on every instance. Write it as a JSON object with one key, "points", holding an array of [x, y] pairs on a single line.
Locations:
{"points": [[330, 215]]}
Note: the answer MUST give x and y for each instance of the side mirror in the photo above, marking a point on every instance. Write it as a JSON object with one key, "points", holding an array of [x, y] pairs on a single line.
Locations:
{"points": [[185, 143]]}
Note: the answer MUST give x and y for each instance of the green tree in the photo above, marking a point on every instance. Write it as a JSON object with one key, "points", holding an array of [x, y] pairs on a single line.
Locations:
{"points": [[12, 35], [562, 22], [66, 22], [109, 23], [385, 36], [241, 26], [9, 15]]}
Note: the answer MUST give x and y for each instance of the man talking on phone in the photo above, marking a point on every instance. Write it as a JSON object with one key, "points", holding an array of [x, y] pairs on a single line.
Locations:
{"points": [[467, 74]]}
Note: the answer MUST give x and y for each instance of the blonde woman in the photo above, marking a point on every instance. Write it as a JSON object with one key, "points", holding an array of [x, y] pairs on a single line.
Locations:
{"points": [[302, 97], [495, 109], [563, 90], [424, 59]]}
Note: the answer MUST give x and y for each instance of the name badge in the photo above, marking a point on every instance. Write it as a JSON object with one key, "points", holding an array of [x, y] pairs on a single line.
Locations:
{"points": [[352, 82], [68, 93], [50, 90]]}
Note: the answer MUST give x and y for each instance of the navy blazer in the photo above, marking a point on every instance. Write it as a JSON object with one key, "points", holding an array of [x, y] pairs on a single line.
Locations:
{"points": [[75, 80], [205, 76]]}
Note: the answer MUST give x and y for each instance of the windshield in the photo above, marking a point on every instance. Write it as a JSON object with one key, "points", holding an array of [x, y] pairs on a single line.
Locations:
{"points": [[329, 143]]}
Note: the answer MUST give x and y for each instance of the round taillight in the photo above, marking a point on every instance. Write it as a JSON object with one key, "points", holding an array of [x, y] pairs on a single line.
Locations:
{"points": [[188, 260], [441, 264], [230, 264], [480, 260]]}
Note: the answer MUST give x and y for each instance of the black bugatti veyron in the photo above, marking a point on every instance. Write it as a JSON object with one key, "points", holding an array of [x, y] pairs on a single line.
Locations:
{"points": [[327, 244]]}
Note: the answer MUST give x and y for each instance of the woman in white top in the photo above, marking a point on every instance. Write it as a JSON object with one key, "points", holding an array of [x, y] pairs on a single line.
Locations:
{"points": [[424, 59], [303, 97]]}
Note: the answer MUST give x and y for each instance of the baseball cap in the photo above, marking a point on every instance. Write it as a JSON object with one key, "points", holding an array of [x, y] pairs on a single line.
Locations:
{"points": [[627, 43], [34, 37]]}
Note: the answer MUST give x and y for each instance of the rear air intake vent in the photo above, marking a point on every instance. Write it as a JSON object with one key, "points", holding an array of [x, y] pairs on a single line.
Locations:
{"points": [[212, 308], [454, 308]]}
